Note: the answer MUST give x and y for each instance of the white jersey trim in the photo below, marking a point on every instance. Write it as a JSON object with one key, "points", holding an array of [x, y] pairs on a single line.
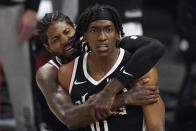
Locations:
{"points": [[51, 62], [59, 61], [54, 64], [94, 82], [144, 125], [73, 74]]}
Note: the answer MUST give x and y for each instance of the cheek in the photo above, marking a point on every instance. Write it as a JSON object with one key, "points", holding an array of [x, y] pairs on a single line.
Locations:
{"points": [[57, 47], [113, 40], [92, 39], [72, 33]]}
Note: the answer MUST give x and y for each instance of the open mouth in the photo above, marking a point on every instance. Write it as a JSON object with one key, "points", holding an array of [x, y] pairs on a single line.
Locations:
{"points": [[68, 48]]}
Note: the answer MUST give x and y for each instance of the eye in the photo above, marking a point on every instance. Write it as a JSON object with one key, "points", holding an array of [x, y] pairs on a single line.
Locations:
{"points": [[109, 29], [66, 32], [92, 30], [55, 39]]}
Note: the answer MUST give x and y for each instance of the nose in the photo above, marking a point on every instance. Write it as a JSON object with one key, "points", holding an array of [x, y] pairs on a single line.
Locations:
{"points": [[101, 36], [64, 40]]}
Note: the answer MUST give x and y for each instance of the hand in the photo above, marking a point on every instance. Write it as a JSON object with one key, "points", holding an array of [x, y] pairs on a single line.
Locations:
{"points": [[140, 94], [27, 25], [92, 110], [102, 103]]}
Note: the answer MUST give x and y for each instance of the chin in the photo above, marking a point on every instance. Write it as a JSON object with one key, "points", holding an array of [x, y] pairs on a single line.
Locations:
{"points": [[103, 54]]}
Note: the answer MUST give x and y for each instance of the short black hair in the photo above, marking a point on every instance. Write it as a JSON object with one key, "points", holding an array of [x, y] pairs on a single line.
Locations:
{"points": [[48, 20], [85, 19]]}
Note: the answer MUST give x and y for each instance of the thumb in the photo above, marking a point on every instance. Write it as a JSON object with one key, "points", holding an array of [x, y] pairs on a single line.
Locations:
{"points": [[144, 81], [91, 98]]}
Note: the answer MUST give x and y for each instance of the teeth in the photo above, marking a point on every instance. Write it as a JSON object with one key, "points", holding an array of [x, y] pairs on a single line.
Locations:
{"points": [[66, 49]]}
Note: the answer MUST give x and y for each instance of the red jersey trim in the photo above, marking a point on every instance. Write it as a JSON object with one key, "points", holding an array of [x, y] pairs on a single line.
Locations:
{"points": [[53, 65], [71, 75]]}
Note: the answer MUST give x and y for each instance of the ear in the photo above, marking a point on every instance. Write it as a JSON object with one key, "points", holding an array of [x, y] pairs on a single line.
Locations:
{"points": [[118, 36], [117, 39], [85, 37], [74, 26], [47, 48]]}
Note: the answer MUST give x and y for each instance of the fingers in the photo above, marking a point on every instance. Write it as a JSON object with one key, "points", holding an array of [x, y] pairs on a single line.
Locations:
{"points": [[153, 87], [144, 81], [152, 92], [151, 101], [91, 98], [153, 96], [26, 26], [92, 113], [25, 33], [101, 113]]}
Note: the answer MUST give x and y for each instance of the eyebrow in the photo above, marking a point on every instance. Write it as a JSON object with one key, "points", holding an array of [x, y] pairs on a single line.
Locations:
{"points": [[108, 26]]}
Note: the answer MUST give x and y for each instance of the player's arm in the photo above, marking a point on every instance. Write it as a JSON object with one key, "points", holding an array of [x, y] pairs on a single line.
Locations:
{"points": [[154, 114], [145, 51], [59, 101], [74, 116], [57, 98]]}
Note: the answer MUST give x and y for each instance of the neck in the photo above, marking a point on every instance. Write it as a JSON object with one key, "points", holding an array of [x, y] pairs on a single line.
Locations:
{"points": [[100, 65], [62, 60]]}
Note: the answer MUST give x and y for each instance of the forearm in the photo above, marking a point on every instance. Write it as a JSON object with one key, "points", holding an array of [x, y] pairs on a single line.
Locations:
{"points": [[71, 115], [78, 116]]}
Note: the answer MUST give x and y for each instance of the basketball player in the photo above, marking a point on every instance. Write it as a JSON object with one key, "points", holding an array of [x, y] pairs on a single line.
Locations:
{"points": [[55, 30], [87, 79]]}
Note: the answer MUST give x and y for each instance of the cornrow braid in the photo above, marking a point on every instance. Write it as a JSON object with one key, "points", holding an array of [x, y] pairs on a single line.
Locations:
{"points": [[89, 14], [48, 20]]}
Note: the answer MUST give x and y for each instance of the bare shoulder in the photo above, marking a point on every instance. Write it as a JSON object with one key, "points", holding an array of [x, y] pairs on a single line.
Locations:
{"points": [[45, 72], [46, 78], [65, 73]]}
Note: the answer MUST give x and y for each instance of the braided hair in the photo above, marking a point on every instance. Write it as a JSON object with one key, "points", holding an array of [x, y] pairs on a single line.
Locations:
{"points": [[49, 19], [88, 15]]}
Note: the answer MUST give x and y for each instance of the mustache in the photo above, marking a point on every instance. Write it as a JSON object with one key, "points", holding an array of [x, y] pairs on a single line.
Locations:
{"points": [[75, 43], [68, 45]]}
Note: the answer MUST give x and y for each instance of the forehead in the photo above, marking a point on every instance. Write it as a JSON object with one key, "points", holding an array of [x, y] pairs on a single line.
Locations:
{"points": [[58, 26], [101, 23]]}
